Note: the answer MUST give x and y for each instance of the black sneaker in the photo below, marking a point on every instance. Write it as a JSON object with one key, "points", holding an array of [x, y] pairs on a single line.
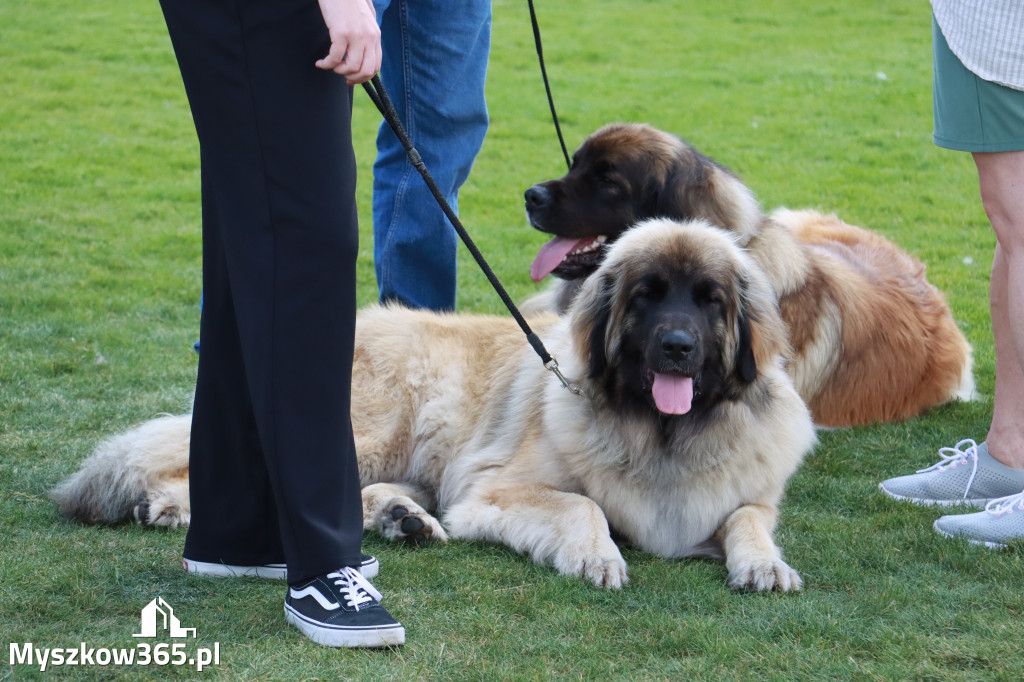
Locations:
{"points": [[342, 609], [368, 566]]}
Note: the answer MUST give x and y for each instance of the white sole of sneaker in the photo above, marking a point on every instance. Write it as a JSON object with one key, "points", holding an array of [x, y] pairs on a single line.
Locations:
{"points": [[980, 504], [371, 637], [984, 543], [369, 569], [205, 568]]}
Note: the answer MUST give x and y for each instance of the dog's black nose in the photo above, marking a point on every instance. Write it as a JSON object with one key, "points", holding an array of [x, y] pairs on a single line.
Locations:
{"points": [[677, 344], [538, 196]]}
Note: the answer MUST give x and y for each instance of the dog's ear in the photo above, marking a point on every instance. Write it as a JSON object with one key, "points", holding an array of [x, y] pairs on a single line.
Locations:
{"points": [[746, 364], [699, 187], [598, 341], [655, 198], [760, 334], [680, 193], [591, 313]]}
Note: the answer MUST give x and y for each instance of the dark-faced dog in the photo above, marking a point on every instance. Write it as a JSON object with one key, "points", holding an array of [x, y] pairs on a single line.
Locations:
{"points": [[619, 176], [871, 339], [682, 439]]}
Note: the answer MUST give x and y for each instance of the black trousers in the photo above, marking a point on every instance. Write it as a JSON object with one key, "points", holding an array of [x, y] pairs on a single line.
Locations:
{"points": [[273, 472]]}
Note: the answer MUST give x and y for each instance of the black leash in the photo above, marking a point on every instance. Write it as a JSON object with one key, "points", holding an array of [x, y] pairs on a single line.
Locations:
{"points": [[375, 89], [547, 86]]}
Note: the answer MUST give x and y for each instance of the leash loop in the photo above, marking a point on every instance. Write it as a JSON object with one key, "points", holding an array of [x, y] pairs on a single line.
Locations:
{"points": [[375, 89], [566, 384]]}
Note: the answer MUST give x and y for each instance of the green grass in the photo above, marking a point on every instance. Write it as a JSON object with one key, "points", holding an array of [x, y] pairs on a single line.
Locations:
{"points": [[821, 104]]}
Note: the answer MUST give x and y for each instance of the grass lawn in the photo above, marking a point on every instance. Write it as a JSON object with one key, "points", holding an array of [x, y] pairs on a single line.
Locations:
{"points": [[822, 103]]}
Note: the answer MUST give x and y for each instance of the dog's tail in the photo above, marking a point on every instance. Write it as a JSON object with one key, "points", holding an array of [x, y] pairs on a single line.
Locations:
{"points": [[124, 469]]}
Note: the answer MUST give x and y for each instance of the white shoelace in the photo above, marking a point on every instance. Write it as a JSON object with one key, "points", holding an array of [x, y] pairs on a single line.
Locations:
{"points": [[356, 589], [1003, 505], [957, 455]]}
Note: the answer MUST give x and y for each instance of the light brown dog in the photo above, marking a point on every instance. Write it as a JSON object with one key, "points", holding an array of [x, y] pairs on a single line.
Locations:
{"points": [[871, 339], [682, 442]]}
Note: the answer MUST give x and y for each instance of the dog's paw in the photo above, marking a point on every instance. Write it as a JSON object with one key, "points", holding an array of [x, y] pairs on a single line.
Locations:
{"points": [[160, 510], [606, 568], [410, 523], [606, 573], [759, 576]]}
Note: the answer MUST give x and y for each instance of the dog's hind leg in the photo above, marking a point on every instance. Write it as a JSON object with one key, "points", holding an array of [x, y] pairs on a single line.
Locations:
{"points": [[753, 560], [166, 504], [397, 511], [141, 474]]}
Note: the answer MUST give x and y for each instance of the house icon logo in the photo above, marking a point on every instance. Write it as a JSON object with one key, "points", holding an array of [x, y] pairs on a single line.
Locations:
{"points": [[158, 615]]}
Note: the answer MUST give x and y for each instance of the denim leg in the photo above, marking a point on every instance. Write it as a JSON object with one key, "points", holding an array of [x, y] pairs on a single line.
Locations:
{"points": [[435, 65]]}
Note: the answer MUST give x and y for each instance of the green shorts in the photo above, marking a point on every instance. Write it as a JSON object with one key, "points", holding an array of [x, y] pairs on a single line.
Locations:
{"points": [[971, 114]]}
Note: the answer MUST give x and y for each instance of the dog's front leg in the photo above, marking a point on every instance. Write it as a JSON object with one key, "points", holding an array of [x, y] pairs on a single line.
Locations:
{"points": [[753, 560], [397, 511], [560, 529]]}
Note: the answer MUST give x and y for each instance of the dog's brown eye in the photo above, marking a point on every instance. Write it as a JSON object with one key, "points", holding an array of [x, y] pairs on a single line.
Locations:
{"points": [[649, 289], [709, 292], [610, 187]]}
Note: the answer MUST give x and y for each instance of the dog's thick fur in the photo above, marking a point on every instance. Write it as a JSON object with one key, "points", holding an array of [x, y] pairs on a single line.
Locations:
{"points": [[872, 340], [456, 413]]}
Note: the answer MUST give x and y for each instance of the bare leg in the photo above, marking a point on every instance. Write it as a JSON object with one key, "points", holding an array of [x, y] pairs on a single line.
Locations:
{"points": [[1001, 179]]}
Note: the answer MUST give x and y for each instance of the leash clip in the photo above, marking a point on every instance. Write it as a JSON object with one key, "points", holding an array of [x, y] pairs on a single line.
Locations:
{"points": [[552, 366]]}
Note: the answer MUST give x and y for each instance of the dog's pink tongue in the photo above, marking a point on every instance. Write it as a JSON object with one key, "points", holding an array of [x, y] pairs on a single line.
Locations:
{"points": [[673, 394], [551, 254]]}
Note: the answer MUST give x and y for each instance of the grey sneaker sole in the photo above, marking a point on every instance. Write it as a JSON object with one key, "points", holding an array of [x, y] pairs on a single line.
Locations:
{"points": [[350, 637], [985, 543], [976, 502]]}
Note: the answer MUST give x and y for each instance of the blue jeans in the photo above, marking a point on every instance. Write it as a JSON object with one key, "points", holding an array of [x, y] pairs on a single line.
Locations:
{"points": [[435, 65]]}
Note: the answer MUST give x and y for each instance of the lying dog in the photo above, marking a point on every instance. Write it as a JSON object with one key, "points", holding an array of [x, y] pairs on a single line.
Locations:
{"points": [[683, 440], [871, 339]]}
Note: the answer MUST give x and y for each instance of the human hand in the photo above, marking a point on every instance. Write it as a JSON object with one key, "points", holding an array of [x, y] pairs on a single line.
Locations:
{"points": [[355, 39]]}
